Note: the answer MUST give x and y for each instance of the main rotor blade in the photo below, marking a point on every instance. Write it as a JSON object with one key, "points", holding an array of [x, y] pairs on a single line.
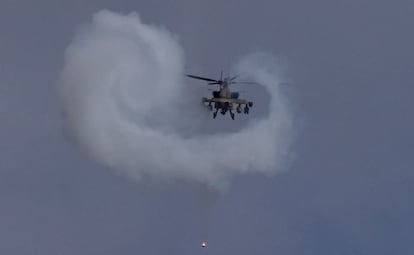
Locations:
{"points": [[245, 82], [234, 77], [201, 78]]}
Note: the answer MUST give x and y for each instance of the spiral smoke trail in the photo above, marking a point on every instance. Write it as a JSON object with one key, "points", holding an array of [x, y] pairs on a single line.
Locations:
{"points": [[126, 104]]}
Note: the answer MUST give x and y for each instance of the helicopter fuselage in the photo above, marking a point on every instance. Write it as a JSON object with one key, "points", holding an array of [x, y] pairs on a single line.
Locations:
{"points": [[224, 100]]}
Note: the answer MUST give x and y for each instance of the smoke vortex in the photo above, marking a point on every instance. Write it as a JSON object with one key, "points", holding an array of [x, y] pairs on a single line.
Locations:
{"points": [[126, 105]]}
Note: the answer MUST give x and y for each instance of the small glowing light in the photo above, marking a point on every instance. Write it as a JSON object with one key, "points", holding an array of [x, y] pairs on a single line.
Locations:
{"points": [[203, 244]]}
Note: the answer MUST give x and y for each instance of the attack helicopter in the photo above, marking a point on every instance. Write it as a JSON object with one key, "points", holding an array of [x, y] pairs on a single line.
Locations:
{"points": [[224, 100]]}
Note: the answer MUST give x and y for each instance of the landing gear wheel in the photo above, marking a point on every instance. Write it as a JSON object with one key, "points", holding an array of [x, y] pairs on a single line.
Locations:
{"points": [[246, 110], [214, 115], [232, 115]]}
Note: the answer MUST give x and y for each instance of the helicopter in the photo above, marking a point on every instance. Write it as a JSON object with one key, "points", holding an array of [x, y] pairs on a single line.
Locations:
{"points": [[224, 100]]}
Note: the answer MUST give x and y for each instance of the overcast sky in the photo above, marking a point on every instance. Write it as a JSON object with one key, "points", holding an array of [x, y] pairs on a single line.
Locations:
{"points": [[348, 191]]}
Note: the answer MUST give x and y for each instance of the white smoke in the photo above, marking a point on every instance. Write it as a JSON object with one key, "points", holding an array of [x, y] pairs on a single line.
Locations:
{"points": [[127, 105]]}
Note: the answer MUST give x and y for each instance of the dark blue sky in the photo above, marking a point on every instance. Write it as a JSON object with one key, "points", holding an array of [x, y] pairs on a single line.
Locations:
{"points": [[347, 192]]}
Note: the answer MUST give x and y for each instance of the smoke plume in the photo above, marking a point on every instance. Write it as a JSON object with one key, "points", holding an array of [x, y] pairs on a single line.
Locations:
{"points": [[128, 105]]}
